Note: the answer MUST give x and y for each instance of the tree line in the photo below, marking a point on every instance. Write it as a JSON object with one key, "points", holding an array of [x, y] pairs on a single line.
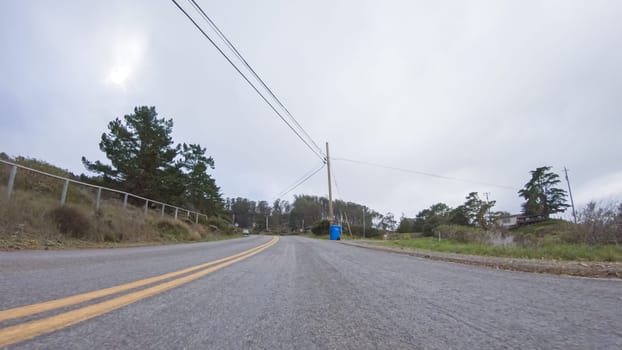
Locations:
{"points": [[306, 213], [542, 197]]}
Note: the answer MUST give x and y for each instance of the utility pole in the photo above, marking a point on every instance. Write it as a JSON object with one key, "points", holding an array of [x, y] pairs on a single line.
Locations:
{"points": [[363, 222], [487, 209], [330, 188], [267, 228], [574, 214]]}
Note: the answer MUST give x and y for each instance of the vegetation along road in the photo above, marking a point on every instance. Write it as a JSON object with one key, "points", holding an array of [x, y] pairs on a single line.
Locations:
{"points": [[293, 293]]}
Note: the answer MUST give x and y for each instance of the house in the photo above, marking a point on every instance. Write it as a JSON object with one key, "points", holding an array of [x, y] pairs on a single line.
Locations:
{"points": [[508, 221], [519, 220]]}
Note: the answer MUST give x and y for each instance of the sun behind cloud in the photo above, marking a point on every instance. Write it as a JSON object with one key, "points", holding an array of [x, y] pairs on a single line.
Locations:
{"points": [[127, 56]]}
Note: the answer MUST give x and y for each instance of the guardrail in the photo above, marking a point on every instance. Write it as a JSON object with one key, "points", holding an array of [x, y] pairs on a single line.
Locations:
{"points": [[126, 195]]}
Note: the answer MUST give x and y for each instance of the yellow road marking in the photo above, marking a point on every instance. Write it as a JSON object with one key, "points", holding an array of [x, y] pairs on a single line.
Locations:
{"points": [[21, 332], [33, 309]]}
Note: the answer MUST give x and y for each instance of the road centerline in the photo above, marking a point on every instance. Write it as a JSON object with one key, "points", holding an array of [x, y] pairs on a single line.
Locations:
{"points": [[20, 332], [33, 309]]}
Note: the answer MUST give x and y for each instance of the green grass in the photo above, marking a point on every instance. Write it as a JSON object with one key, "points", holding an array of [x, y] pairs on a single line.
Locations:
{"points": [[576, 252]]}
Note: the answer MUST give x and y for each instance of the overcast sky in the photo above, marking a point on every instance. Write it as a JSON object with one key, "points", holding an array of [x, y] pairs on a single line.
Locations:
{"points": [[478, 90]]}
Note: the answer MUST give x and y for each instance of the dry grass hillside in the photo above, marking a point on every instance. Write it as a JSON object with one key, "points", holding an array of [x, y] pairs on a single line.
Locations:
{"points": [[33, 217]]}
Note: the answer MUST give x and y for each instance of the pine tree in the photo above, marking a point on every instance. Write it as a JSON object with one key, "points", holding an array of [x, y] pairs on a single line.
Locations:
{"points": [[542, 197], [200, 189], [142, 153], [145, 161]]}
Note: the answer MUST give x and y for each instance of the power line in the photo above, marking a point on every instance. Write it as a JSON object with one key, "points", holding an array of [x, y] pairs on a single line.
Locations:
{"points": [[261, 81], [316, 151], [334, 175], [299, 182], [417, 172]]}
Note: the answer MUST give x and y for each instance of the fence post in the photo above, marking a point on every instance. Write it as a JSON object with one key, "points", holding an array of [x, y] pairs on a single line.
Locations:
{"points": [[146, 206], [125, 201], [9, 188], [162, 213], [196, 218], [99, 196], [63, 196], [176, 211]]}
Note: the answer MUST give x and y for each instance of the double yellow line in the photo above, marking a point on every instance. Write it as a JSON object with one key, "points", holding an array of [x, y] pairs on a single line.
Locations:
{"points": [[17, 333]]}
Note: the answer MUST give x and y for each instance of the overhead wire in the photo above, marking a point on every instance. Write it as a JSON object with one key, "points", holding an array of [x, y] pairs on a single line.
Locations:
{"points": [[232, 47], [334, 176], [423, 173], [317, 151], [297, 128], [308, 175]]}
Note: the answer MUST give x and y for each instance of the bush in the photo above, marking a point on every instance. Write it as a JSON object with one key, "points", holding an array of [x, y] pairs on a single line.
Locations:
{"points": [[194, 235], [174, 230], [201, 230], [71, 221], [321, 227], [358, 231], [220, 223], [600, 224], [552, 231], [463, 234], [370, 232]]}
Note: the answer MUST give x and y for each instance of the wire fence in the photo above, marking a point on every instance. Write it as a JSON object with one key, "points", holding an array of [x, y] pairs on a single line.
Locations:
{"points": [[72, 191]]}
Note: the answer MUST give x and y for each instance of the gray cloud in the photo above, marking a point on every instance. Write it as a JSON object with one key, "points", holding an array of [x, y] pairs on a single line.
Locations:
{"points": [[484, 90]]}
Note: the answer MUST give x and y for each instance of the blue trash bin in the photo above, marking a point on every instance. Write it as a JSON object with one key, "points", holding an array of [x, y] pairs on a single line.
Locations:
{"points": [[335, 232]]}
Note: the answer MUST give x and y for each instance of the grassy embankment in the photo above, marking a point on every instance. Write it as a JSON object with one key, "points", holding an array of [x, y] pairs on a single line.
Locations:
{"points": [[548, 240], [33, 218], [579, 252]]}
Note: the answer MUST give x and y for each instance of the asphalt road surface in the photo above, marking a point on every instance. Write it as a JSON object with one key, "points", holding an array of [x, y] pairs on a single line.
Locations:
{"points": [[302, 293]]}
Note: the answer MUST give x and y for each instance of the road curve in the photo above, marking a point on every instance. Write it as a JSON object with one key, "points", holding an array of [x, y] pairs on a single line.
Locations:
{"points": [[308, 294]]}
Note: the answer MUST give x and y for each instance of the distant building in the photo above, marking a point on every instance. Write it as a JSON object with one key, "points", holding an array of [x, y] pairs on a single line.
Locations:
{"points": [[508, 221], [519, 220]]}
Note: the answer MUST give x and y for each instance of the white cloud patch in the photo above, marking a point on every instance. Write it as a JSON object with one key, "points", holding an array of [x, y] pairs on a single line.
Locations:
{"points": [[604, 188]]}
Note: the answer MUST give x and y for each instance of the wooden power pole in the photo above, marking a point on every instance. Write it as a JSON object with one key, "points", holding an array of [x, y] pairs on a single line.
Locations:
{"points": [[330, 188], [574, 214]]}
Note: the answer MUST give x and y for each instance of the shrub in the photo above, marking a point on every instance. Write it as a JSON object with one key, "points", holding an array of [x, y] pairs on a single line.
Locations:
{"points": [[220, 223], [370, 232], [194, 235], [464, 234], [600, 224], [173, 229], [552, 231], [200, 229], [358, 231], [71, 221], [321, 227]]}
